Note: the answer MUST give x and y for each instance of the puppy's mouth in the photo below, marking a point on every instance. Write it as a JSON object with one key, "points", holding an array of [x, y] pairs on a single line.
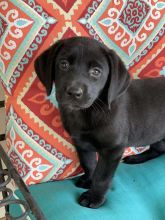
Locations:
{"points": [[74, 107]]}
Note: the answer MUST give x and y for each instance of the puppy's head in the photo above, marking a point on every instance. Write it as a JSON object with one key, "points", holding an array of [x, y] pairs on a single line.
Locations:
{"points": [[81, 69]]}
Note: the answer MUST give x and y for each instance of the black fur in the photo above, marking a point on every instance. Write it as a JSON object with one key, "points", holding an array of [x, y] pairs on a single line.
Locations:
{"points": [[102, 109]]}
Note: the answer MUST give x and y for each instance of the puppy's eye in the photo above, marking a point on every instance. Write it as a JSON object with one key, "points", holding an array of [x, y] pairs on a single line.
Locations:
{"points": [[95, 72], [64, 65]]}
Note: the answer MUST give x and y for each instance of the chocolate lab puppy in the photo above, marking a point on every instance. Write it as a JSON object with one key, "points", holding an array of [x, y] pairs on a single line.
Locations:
{"points": [[102, 109]]}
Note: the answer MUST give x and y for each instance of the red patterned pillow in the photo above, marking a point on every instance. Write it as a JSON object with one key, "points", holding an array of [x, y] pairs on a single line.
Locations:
{"points": [[38, 145]]}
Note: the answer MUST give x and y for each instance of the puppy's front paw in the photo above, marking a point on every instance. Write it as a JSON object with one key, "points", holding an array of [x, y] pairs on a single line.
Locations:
{"points": [[84, 182], [87, 199]]}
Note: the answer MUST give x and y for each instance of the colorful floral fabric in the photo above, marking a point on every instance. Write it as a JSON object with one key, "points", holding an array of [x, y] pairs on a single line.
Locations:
{"points": [[39, 147]]}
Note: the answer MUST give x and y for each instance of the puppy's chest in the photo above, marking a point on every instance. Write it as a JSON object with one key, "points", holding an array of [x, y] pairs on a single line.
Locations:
{"points": [[87, 128], [75, 123]]}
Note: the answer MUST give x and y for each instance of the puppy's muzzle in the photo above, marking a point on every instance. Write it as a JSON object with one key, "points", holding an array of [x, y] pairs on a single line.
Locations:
{"points": [[74, 92]]}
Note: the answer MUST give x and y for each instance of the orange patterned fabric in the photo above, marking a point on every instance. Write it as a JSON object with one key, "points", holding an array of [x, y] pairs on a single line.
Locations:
{"points": [[39, 147]]}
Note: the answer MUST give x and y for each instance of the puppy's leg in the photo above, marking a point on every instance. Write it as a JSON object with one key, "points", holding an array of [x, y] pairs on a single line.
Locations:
{"points": [[88, 162], [154, 151], [105, 169]]}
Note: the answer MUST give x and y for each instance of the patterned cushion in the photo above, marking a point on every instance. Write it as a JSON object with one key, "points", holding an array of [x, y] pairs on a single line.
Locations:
{"points": [[39, 147]]}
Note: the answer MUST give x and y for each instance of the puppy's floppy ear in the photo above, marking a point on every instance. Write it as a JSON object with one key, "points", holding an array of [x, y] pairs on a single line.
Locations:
{"points": [[119, 77], [45, 66]]}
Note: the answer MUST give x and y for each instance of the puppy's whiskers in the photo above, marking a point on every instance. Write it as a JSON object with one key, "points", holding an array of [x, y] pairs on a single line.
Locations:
{"points": [[101, 105], [94, 122]]}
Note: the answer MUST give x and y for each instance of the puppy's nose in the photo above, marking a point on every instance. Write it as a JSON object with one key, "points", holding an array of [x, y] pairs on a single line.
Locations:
{"points": [[74, 92]]}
